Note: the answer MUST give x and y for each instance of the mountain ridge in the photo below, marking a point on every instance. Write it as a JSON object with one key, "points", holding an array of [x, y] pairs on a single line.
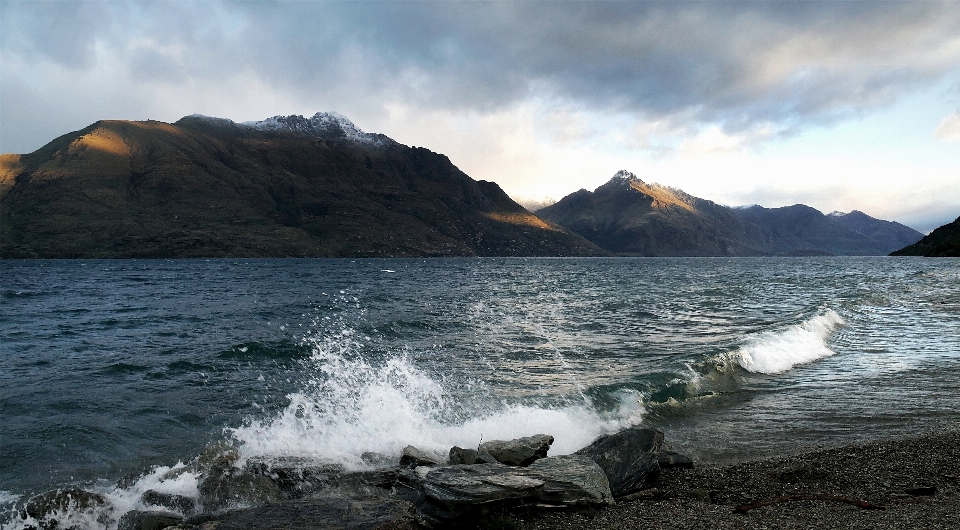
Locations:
{"points": [[297, 187], [942, 242], [628, 216]]}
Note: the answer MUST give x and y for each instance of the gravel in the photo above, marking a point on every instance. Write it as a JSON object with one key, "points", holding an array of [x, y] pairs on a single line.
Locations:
{"points": [[915, 481]]}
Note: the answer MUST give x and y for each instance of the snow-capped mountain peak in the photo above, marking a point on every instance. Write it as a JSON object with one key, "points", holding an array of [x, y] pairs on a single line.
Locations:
{"points": [[328, 125], [626, 176]]}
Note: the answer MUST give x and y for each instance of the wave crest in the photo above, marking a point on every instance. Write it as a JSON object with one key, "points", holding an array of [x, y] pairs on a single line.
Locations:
{"points": [[777, 352]]}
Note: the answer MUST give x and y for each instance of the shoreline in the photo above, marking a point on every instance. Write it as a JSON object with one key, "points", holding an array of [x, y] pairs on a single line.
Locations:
{"points": [[895, 474]]}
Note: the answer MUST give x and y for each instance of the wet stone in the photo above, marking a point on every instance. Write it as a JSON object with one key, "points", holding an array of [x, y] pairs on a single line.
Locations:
{"points": [[628, 458], [414, 457], [459, 455], [519, 452], [61, 501], [179, 503], [144, 520], [229, 487]]}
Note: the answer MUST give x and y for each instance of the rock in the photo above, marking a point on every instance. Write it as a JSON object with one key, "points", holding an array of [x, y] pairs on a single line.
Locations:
{"points": [[140, 520], [628, 458], [335, 510], [413, 457], [672, 459], [229, 487], [572, 480], [921, 490], [459, 455], [520, 452], [299, 477], [294, 474], [376, 459], [215, 454], [379, 478], [447, 493], [185, 505], [51, 503]]}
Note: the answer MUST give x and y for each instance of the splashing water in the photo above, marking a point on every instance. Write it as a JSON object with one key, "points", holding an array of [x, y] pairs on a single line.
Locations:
{"points": [[777, 352], [351, 405]]}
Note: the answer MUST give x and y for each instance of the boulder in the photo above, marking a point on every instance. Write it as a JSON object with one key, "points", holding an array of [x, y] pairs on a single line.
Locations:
{"points": [[294, 475], [520, 452], [572, 480], [299, 477], [447, 493], [336, 510], [413, 457], [51, 503], [178, 503], [628, 458], [229, 487], [459, 455], [140, 520]]}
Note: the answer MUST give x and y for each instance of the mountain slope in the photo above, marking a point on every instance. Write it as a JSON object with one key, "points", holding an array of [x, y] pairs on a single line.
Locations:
{"points": [[942, 242], [287, 186], [629, 216], [800, 229]]}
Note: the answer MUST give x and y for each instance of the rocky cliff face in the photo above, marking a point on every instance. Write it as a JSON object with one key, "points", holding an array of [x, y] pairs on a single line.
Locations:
{"points": [[286, 186], [629, 216]]}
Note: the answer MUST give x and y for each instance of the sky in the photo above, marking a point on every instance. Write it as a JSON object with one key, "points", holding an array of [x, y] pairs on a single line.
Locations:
{"points": [[840, 105]]}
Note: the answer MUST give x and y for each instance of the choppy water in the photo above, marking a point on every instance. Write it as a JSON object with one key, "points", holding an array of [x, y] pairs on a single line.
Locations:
{"points": [[127, 367]]}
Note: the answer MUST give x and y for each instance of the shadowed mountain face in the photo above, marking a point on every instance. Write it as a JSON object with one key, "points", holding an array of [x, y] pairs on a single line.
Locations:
{"points": [[629, 216], [942, 242], [287, 186]]}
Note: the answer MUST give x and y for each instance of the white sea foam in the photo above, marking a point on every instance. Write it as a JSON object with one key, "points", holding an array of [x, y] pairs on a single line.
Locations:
{"points": [[175, 480], [776, 352], [354, 406]]}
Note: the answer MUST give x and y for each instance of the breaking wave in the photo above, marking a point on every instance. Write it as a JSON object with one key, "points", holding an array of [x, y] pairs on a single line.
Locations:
{"points": [[777, 352], [351, 406]]}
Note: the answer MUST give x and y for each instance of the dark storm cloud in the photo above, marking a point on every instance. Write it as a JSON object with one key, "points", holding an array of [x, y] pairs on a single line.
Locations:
{"points": [[739, 65]]}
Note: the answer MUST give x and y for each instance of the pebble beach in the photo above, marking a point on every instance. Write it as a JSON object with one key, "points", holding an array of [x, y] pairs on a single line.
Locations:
{"points": [[912, 482]]}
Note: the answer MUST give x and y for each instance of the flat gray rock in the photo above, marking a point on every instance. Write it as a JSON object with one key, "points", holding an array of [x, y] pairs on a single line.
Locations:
{"points": [[443, 494], [572, 480], [335, 510], [520, 452], [413, 457]]}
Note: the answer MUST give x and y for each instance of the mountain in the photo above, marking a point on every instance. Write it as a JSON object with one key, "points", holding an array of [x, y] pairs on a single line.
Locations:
{"points": [[285, 186], [629, 216], [800, 229], [942, 242], [890, 234]]}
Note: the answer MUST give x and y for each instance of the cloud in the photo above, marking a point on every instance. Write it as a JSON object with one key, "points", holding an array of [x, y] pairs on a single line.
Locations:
{"points": [[734, 66], [949, 128]]}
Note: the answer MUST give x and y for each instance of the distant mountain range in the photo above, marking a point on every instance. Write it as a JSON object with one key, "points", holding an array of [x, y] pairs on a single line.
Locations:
{"points": [[286, 186], [290, 186], [942, 242], [628, 216]]}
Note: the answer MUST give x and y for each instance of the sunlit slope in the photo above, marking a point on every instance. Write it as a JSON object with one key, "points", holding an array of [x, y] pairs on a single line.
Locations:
{"points": [[207, 188], [629, 216]]}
